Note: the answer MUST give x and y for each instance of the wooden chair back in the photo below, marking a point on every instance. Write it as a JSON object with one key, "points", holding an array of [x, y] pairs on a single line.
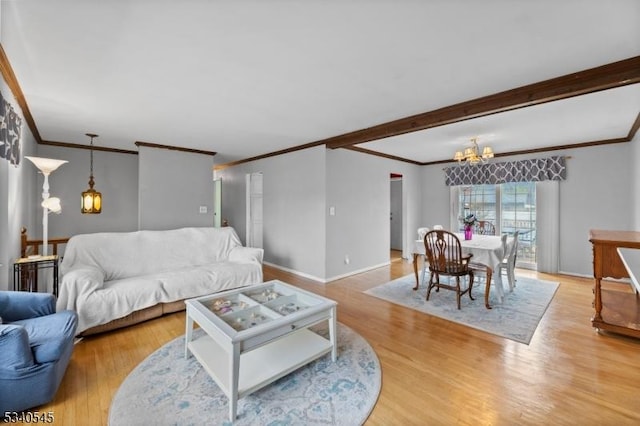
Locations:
{"points": [[444, 253]]}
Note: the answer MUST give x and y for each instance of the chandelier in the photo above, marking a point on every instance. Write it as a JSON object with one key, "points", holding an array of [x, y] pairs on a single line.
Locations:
{"points": [[472, 154], [91, 199]]}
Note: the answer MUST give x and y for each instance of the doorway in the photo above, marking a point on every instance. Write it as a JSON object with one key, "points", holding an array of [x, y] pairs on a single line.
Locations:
{"points": [[395, 217]]}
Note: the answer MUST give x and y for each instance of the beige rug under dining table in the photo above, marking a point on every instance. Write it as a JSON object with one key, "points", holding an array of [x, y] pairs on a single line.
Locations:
{"points": [[486, 249]]}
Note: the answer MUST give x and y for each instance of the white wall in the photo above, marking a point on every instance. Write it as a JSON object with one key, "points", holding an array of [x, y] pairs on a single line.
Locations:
{"points": [[596, 195], [294, 188], [299, 188], [115, 176], [359, 189], [17, 197], [435, 196], [172, 187]]}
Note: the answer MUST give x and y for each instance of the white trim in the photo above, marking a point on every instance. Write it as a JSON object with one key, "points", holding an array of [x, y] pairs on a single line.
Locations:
{"points": [[359, 271], [293, 271], [324, 281], [575, 274]]}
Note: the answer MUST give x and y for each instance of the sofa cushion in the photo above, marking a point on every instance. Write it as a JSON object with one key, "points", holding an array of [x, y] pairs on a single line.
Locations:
{"points": [[49, 335]]}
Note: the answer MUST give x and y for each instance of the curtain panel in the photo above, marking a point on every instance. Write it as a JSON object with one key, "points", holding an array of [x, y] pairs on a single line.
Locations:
{"points": [[535, 170]]}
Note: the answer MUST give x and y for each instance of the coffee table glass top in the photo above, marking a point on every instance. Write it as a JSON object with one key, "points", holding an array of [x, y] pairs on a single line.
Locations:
{"points": [[248, 307]]}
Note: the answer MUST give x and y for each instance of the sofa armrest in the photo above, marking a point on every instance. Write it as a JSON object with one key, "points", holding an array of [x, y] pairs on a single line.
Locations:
{"points": [[78, 282], [246, 254], [16, 352], [18, 305]]}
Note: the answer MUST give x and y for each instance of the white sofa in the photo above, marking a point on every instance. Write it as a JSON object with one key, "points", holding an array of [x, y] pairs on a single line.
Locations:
{"points": [[114, 279]]}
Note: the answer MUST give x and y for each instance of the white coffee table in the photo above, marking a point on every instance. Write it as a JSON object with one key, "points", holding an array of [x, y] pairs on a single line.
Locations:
{"points": [[257, 334]]}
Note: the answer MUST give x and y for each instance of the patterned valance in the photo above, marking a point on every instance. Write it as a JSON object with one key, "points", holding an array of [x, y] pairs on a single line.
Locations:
{"points": [[552, 168], [10, 125]]}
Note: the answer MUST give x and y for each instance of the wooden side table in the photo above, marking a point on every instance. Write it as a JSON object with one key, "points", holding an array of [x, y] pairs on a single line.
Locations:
{"points": [[25, 272]]}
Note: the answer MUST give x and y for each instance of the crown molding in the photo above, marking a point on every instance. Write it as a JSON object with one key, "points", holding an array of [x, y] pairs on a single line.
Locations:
{"points": [[270, 154], [174, 148], [380, 154], [12, 81], [95, 148]]}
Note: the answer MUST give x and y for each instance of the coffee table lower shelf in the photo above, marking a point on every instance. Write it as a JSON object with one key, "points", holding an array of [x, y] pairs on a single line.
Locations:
{"points": [[260, 366]]}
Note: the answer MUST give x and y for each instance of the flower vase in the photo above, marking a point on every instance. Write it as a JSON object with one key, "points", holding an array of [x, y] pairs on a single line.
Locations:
{"points": [[468, 232]]}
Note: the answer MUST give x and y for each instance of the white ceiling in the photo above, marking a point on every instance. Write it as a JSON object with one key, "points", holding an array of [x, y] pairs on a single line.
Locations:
{"points": [[249, 77]]}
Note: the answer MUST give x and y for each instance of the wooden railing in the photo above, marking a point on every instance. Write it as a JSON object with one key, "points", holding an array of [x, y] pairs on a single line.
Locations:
{"points": [[29, 247]]}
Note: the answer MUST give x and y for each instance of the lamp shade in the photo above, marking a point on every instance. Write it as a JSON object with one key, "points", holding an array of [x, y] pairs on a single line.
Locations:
{"points": [[46, 165], [52, 204], [487, 152]]}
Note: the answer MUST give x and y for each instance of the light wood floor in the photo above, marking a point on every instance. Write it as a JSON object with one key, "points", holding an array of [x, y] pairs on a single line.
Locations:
{"points": [[433, 372]]}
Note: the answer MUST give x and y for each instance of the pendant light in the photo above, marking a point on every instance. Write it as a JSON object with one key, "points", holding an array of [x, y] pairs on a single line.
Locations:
{"points": [[91, 199]]}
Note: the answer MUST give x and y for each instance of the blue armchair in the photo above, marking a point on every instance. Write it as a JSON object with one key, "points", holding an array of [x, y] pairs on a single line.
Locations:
{"points": [[35, 347]]}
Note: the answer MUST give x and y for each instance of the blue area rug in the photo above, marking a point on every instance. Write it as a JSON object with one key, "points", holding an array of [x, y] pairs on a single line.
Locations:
{"points": [[167, 389], [516, 318]]}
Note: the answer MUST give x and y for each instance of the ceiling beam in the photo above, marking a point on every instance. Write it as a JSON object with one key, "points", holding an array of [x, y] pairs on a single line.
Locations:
{"points": [[632, 133], [616, 74]]}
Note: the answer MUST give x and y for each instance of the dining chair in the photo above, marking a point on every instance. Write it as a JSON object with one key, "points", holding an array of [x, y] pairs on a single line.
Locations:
{"points": [[485, 227], [508, 263], [445, 258], [421, 233], [483, 273]]}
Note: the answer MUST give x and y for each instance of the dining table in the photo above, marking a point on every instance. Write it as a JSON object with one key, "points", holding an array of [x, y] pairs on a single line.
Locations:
{"points": [[486, 250]]}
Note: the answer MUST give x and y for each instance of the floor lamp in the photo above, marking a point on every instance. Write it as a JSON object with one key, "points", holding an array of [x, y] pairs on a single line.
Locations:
{"points": [[47, 166]]}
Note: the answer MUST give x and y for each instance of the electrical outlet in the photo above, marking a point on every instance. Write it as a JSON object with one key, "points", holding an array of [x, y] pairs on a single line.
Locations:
{"points": [[203, 209], [347, 260]]}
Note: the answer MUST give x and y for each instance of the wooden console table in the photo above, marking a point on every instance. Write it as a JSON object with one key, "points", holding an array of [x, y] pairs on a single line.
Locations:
{"points": [[615, 311]]}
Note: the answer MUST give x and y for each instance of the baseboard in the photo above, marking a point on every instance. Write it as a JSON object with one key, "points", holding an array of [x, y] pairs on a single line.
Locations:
{"points": [[573, 274], [359, 271], [326, 280], [293, 271]]}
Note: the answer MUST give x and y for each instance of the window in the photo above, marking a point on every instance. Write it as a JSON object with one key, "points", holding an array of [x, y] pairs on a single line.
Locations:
{"points": [[510, 206], [478, 199]]}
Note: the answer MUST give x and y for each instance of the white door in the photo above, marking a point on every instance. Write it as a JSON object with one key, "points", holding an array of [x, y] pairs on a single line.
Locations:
{"points": [[395, 215], [217, 203], [254, 210]]}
